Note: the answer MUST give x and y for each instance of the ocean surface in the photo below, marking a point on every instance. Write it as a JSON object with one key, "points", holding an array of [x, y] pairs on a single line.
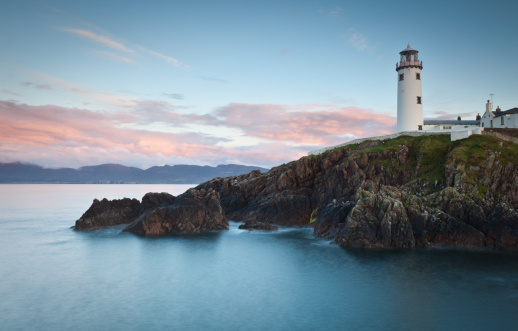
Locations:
{"points": [[53, 278]]}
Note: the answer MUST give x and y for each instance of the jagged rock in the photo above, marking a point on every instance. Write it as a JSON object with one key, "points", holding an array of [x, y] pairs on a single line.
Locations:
{"points": [[252, 224], [108, 213], [124, 211], [195, 211], [154, 200]]}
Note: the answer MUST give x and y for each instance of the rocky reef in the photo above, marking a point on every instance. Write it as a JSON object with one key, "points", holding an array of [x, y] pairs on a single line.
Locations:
{"points": [[254, 225], [406, 192]]}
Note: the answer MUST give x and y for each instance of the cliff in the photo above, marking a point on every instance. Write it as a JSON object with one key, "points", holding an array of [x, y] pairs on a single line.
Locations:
{"points": [[405, 192]]}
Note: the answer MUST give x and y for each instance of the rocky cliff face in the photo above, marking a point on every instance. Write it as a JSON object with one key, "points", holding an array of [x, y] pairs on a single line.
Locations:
{"points": [[405, 192]]}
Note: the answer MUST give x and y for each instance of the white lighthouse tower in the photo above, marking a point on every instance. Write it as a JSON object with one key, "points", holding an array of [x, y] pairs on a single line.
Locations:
{"points": [[409, 92]]}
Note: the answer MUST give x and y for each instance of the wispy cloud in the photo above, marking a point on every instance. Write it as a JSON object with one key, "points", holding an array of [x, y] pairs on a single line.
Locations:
{"points": [[103, 98], [117, 45], [166, 58], [334, 12], [176, 96], [100, 39], [357, 40], [10, 92], [113, 56], [38, 86]]}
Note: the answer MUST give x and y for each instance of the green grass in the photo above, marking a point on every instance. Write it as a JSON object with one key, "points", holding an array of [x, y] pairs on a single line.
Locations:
{"points": [[433, 152], [476, 148], [313, 218]]}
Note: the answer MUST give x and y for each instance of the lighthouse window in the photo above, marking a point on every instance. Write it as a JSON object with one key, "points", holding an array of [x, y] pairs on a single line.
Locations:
{"points": [[419, 100], [502, 120], [401, 77], [418, 76]]}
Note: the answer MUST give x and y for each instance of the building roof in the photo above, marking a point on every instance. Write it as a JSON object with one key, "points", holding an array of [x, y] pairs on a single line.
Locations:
{"points": [[409, 49], [450, 122], [507, 112]]}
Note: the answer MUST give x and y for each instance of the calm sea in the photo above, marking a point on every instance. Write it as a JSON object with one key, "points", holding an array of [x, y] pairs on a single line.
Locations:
{"points": [[52, 278]]}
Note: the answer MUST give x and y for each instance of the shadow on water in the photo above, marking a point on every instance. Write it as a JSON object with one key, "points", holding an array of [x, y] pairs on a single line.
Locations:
{"points": [[451, 258], [117, 231]]}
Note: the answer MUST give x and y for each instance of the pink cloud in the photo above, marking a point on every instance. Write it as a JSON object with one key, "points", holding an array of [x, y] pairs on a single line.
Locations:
{"points": [[38, 86], [10, 92], [60, 136], [166, 58], [59, 127], [113, 56], [100, 39], [310, 124]]}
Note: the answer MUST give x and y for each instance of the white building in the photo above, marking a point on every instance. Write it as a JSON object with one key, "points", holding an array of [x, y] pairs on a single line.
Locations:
{"points": [[409, 91], [410, 99], [499, 119], [451, 125]]}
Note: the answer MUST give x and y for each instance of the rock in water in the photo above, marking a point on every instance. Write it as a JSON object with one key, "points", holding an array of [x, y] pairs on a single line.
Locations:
{"points": [[108, 213], [124, 211], [252, 224], [154, 200], [195, 211]]}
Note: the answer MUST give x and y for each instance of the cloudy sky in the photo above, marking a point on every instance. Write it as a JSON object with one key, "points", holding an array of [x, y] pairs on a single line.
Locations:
{"points": [[146, 83]]}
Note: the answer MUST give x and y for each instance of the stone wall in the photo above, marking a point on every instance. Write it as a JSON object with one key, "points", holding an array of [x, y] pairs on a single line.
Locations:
{"points": [[504, 134]]}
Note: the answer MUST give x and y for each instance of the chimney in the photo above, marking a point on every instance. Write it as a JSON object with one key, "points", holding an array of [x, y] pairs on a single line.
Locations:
{"points": [[488, 107], [498, 109]]}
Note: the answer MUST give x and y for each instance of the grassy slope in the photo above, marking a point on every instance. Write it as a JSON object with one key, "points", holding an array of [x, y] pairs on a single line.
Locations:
{"points": [[429, 154]]}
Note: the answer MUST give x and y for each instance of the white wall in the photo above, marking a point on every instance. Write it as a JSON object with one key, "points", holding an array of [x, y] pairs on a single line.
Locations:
{"points": [[458, 135], [453, 127], [409, 112], [510, 121]]}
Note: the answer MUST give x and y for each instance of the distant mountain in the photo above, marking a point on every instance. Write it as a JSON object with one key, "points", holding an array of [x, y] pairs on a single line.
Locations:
{"points": [[18, 173]]}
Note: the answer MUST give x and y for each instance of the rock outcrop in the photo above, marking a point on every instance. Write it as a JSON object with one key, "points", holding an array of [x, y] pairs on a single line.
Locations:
{"points": [[405, 192], [108, 213], [120, 211], [195, 211], [254, 225]]}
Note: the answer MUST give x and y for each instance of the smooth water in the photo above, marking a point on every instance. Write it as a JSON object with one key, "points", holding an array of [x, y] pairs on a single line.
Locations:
{"points": [[53, 278]]}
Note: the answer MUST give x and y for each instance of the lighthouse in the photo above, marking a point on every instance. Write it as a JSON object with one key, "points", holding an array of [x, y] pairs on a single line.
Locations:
{"points": [[409, 92]]}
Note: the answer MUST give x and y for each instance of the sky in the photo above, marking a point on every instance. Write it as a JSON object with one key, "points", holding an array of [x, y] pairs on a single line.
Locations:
{"points": [[145, 83]]}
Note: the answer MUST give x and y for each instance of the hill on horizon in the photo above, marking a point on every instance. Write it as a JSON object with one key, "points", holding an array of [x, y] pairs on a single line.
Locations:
{"points": [[25, 173]]}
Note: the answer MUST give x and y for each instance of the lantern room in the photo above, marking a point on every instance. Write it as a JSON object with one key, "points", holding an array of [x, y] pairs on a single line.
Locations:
{"points": [[409, 58]]}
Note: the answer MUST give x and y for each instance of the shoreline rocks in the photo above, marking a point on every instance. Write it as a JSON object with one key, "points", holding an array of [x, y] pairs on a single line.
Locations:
{"points": [[404, 192]]}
